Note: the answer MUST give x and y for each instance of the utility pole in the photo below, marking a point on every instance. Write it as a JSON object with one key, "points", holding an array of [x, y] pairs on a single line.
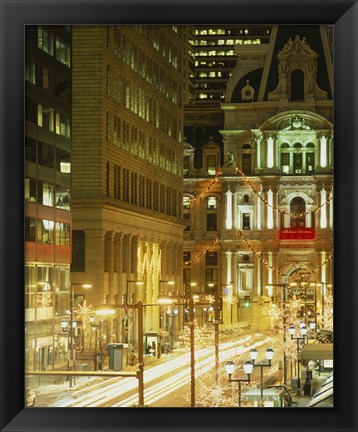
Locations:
{"points": [[140, 355], [192, 352], [216, 330]]}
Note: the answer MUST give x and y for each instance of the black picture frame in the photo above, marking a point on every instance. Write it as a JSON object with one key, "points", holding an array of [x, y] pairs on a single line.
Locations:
{"points": [[15, 14]]}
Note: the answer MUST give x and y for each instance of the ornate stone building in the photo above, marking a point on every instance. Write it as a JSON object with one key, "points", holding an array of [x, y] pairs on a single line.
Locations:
{"points": [[127, 169], [263, 213]]}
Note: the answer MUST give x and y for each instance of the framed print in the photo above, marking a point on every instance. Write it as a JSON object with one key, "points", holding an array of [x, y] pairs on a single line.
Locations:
{"points": [[178, 215]]}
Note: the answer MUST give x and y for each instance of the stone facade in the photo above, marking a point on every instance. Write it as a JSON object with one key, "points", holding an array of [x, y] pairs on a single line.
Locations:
{"points": [[271, 189], [127, 167]]}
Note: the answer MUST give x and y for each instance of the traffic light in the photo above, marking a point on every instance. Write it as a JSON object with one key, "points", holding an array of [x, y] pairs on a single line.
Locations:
{"points": [[247, 301]]}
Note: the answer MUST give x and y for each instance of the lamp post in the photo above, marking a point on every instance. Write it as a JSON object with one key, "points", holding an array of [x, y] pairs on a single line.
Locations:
{"points": [[163, 325], [298, 339], [269, 356], [91, 320], [72, 326], [248, 367], [130, 300], [216, 329]]}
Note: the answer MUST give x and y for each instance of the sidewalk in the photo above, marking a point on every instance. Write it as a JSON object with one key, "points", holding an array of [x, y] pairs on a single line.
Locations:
{"points": [[54, 384]]}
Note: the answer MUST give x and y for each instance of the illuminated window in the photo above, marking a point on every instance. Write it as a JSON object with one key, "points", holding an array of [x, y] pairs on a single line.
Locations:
{"points": [[297, 158], [45, 230], [186, 202], [45, 117], [285, 159], [62, 234], [63, 125], [45, 40], [297, 210], [46, 193], [211, 165], [310, 158], [63, 52], [211, 203], [246, 221], [62, 197]]}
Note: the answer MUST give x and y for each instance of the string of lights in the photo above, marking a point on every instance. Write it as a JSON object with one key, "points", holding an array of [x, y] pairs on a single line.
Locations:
{"points": [[276, 208], [201, 254], [276, 270], [217, 179]]}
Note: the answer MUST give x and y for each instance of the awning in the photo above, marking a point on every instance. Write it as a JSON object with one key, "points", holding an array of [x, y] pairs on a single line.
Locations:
{"points": [[316, 351]]}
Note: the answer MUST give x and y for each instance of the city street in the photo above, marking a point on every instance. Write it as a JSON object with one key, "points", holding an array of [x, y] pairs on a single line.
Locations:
{"points": [[167, 380]]}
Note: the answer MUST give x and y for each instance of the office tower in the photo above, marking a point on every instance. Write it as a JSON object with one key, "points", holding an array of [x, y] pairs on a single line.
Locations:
{"points": [[47, 193], [127, 157]]}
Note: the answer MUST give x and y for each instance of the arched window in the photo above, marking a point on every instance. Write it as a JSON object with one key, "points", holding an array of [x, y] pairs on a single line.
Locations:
{"points": [[297, 211], [297, 85]]}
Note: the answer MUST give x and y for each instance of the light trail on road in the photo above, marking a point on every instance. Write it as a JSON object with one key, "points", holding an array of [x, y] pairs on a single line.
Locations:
{"points": [[105, 393]]}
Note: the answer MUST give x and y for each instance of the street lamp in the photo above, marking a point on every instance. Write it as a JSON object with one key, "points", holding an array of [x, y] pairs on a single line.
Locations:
{"points": [[72, 326], [292, 331], [269, 356], [248, 367]]}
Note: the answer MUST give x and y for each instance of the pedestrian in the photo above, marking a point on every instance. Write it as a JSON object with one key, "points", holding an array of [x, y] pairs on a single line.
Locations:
{"points": [[159, 350], [132, 358]]}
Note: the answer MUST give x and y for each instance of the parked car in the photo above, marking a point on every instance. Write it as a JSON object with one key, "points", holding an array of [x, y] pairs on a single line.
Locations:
{"points": [[30, 397]]}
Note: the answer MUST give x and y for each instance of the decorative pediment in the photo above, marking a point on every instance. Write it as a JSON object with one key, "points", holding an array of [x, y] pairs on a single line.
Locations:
{"points": [[295, 123]]}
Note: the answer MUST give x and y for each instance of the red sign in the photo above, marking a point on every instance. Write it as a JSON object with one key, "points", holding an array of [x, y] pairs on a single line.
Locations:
{"points": [[297, 234]]}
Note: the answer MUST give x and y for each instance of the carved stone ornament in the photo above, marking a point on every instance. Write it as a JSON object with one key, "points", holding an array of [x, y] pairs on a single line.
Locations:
{"points": [[295, 123], [297, 54], [247, 92]]}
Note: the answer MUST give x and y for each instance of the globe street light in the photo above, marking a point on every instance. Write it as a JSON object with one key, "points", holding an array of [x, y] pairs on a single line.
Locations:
{"points": [[269, 356], [248, 367]]}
